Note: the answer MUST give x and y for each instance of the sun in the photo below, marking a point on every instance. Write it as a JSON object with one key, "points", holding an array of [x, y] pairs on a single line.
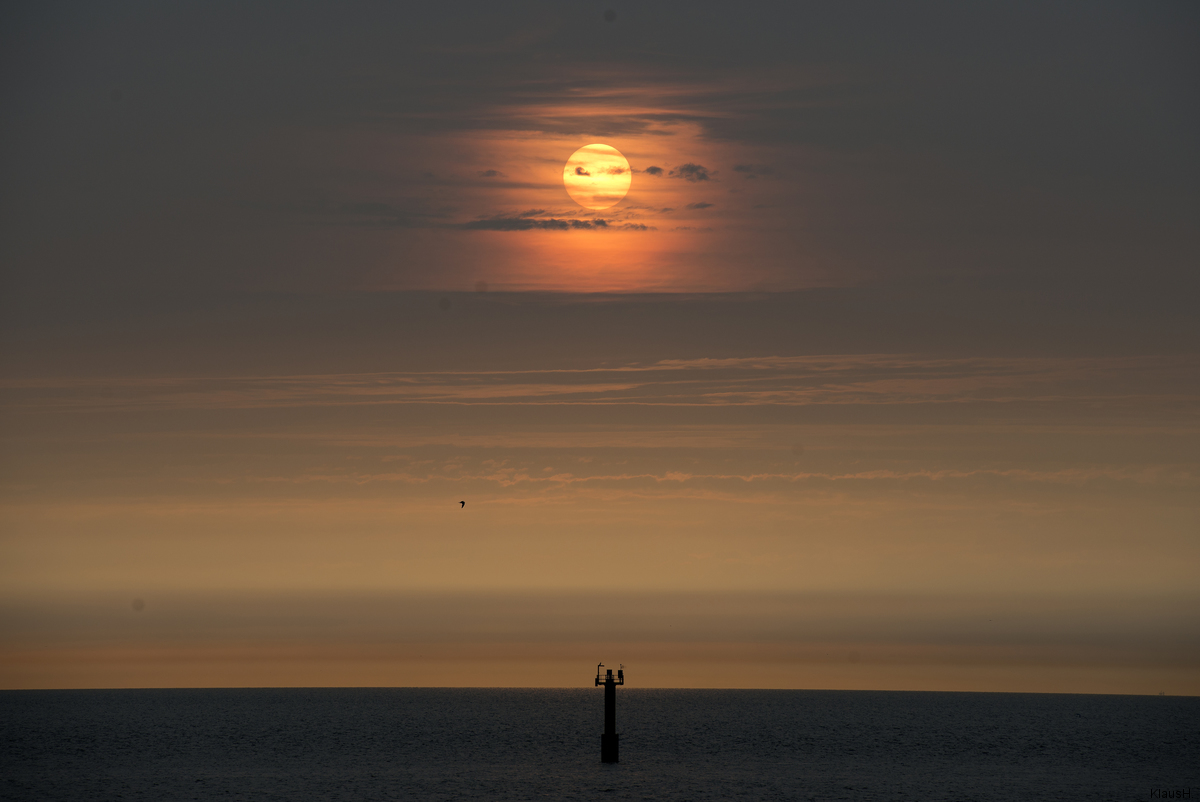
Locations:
{"points": [[597, 176]]}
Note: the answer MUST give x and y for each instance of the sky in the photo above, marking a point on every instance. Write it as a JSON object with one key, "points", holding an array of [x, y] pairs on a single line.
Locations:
{"points": [[884, 374]]}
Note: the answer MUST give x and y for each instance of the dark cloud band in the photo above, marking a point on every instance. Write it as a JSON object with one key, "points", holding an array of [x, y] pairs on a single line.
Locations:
{"points": [[526, 223]]}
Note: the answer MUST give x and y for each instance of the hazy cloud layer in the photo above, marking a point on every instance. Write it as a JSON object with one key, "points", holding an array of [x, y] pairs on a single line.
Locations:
{"points": [[801, 637]]}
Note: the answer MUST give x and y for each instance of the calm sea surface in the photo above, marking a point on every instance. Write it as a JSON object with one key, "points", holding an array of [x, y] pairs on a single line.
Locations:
{"points": [[451, 744]]}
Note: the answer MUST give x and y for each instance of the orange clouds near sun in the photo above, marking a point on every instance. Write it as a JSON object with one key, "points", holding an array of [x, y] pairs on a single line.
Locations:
{"points": [[575, 218], [658, 207]]}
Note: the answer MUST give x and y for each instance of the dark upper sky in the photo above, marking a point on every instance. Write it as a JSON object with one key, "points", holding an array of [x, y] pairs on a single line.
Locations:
{"points": [[300, 147]]}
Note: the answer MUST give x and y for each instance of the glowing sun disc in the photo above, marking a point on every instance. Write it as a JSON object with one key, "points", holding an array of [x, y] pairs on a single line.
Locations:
{"points": [[597, 176]]}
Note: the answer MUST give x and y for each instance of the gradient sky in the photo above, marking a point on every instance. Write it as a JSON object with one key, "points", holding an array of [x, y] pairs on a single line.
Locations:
{"points": [[884, 374]]}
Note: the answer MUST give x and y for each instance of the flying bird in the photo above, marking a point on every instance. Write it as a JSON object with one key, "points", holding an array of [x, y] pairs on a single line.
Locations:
{"points": [[463, 503]]}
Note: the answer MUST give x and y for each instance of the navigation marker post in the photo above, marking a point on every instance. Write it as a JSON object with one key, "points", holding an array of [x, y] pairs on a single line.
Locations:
{"points": [[610, 740]]}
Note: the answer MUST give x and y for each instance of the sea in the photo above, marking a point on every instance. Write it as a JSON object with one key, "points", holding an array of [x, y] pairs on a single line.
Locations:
{"points": [[540, 744]]}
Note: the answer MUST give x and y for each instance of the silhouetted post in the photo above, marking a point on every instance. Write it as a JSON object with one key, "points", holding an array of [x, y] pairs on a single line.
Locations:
{"points": [[610, 740]]}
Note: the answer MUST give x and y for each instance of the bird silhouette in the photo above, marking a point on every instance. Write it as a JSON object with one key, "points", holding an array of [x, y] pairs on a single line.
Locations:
{"points": [[463, 503]]}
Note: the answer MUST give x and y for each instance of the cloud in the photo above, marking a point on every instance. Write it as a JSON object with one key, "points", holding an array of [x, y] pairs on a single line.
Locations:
{"points": [[373, 208], [753, 170], [491, 174], [377, 213], [581, 171], [692, 172], [699, 205], [529, 221], [652, 170], [517, 224], [614, 170]]}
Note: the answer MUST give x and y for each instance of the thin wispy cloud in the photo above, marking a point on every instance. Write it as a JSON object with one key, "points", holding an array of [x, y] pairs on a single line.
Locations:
{"points": [[787, 381]]}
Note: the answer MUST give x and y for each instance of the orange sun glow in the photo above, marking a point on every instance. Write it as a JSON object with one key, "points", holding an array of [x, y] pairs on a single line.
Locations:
{"points": [[597, 176]]}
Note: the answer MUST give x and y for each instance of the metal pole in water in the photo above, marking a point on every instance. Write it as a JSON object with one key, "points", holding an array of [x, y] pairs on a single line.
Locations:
{"points": [[610, 740]]}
